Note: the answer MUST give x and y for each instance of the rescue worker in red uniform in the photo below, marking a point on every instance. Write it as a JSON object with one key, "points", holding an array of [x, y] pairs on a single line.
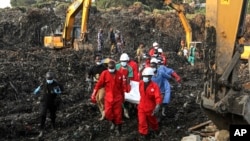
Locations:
{"points": [[149, 103], [164, 58], [135, 69], [127, 71], [152, 50], [114, 84]]}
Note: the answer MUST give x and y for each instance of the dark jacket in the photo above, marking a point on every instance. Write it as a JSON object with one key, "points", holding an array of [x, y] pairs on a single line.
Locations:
{"points": [[49, 94], [97, 69]]}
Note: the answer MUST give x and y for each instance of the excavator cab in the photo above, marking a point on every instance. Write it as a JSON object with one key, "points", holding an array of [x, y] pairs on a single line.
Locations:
{"points": [[56, 41], [72, 36]]}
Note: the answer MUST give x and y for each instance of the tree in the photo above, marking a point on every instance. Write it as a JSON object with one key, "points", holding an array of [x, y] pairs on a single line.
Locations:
{"points": [[110, 3], [15, 3], [153, 3]]}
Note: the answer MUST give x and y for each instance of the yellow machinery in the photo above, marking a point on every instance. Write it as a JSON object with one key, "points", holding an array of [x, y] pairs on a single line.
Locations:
{"points": [[246, 53], [180, 9], [225, 98], [71, 36]]}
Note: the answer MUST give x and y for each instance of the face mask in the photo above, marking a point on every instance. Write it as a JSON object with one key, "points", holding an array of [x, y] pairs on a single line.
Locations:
{"points": [[123, 64], [98, 63], [154, 69], [145, 79], [49, 81], [155, 47], [111, 70]]}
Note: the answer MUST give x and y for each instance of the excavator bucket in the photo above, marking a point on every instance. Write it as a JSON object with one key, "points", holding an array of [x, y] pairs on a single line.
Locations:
{"points": [[79, 44]]}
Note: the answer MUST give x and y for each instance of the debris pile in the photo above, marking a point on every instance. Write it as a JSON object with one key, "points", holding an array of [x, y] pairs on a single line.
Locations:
{"points": [[206, 131], [24, 63]]}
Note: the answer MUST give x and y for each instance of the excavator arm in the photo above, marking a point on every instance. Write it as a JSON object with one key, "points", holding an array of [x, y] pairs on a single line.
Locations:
{"points": [[180, 9], [72, 11], [225, 98]]}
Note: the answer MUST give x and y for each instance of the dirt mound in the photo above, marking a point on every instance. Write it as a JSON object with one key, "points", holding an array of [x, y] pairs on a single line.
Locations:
{"points": [[22, 27], [24, 62]]}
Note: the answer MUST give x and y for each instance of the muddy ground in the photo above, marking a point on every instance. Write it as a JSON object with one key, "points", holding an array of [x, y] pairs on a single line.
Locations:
{"points": [[24, 62]]}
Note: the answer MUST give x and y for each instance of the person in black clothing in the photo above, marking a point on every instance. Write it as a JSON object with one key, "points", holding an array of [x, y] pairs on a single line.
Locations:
{"points": [[51, 90], [96, 70], [112, 41]]}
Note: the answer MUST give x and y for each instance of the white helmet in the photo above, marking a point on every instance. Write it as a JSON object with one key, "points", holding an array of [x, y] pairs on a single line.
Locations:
{"points": [[160, 50], [154, 60], [155, 44], [124, 57], [148, 71]]}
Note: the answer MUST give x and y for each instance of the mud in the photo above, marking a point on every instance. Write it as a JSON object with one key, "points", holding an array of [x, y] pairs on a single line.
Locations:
{"points": [[24, 62]]}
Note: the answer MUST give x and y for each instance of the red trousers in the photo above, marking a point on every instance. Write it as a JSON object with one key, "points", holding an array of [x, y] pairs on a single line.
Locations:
{"points": [[145, 120], [113, 111]]}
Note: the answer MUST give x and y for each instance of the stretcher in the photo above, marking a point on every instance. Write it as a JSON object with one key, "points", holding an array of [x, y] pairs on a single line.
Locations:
{"points": [[134, 95]]}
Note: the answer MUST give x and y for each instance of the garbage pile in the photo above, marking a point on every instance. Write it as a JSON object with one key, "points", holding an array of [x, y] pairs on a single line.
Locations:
{"points": [[24, 62]]}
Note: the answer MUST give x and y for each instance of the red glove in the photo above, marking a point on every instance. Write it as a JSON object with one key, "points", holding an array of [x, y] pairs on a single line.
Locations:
{"points": [[127, 88], [126, 85], [93, 96], [177, 77]]}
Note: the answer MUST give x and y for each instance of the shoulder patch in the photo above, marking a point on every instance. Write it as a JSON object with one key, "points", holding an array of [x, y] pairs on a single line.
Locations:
{"points": [[152, 89]]}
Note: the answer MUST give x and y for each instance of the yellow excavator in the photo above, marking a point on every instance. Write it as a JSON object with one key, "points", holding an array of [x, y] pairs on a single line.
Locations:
{"points": [[225, 98], [181, 13], [71, 36]]}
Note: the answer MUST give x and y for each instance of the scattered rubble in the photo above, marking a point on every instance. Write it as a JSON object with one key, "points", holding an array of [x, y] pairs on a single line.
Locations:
{"points": [[24, 62], [206, 131]]}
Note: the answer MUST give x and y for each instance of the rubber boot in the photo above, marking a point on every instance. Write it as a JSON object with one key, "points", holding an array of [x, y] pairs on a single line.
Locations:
{"points": [[155, 134], [42, 124], [163, 111], [144, 137], [53, 125], [126, 113], [53, 122], [112, 127], [119, 130], [40, 134]]}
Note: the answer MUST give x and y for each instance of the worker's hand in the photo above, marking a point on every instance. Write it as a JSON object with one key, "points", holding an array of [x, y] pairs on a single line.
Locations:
{"points": [[88, 80], [36, 91], [176, 76], [178, 80], [127, 88], [93, 96], [156, 110]]}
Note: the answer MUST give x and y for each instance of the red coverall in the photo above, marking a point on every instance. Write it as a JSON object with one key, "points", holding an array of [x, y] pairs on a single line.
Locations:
{"points": [[147, 63], [114, 94], [135, 68], [125, 73], [149, 99], [164, 59], [151, 51]]}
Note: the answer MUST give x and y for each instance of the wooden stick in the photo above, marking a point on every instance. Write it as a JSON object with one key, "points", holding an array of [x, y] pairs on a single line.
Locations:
{"points": [[199, 125]]}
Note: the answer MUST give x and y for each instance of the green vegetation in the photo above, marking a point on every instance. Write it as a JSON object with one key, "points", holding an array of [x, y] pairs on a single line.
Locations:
{"points": [[15, 3], [148, 5], [103, 4], [36, 3]]}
